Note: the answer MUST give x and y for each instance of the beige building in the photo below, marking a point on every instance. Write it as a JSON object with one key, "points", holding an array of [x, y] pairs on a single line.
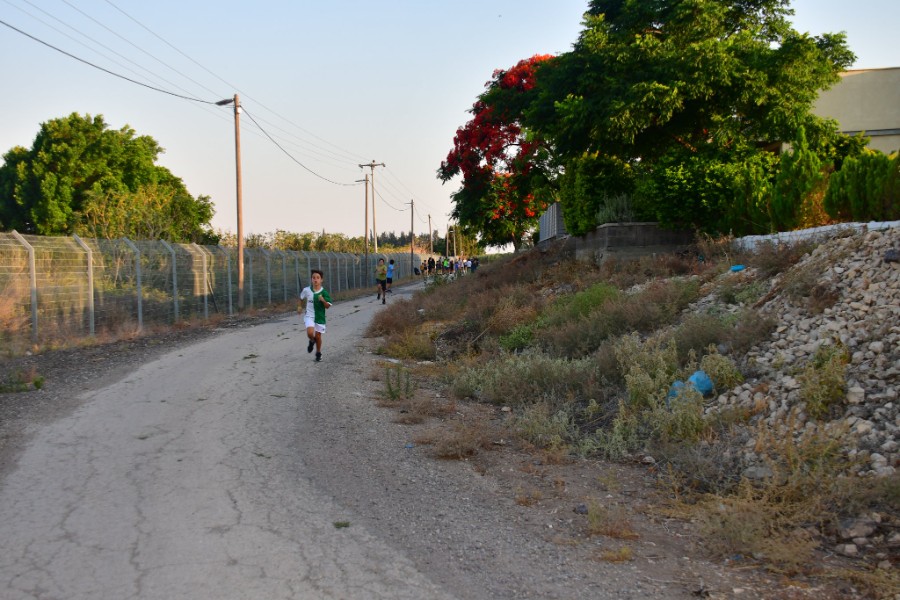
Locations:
{"points": [[868, 101]]}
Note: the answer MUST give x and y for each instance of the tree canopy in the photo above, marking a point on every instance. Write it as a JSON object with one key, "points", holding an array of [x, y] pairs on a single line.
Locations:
{"points": [[504, 169], [674, 104], [82, 177]]}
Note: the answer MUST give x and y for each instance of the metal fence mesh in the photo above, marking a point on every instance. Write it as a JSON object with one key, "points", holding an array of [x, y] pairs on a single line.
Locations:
{"points": [[63, 287]]}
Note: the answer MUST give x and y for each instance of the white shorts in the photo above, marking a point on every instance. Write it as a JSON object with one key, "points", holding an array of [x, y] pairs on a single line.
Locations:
{"points": [[309, 322]]}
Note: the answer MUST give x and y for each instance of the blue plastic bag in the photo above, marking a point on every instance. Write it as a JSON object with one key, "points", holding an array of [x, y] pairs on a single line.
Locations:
{"points": [[701, 382]]}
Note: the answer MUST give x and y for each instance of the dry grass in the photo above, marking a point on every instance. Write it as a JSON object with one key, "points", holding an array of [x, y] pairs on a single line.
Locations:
{"points": [[528, 497], [457, 440], [619, 555], [609, 520]]}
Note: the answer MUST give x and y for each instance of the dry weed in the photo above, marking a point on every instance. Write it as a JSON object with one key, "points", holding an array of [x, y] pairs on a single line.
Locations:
{"points": [[610, 521], [620, 555], [458, 440]]}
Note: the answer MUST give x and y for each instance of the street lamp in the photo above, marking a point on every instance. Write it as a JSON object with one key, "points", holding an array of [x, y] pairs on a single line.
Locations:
{"points": [[237, 161]]}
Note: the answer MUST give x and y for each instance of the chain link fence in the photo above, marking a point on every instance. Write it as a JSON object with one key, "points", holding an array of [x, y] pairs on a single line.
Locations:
{"points": [[67, 287]]}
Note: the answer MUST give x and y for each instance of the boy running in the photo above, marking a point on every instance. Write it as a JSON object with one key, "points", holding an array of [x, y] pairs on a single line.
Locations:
{"points": [[381, 280], [314, 300]]}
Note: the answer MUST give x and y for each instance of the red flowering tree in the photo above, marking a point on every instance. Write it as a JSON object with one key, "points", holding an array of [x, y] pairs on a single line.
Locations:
{"points": [[505, 171]]}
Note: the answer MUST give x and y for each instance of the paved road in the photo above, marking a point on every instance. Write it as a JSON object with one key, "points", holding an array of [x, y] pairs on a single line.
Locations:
{"points": [[184, 481]]}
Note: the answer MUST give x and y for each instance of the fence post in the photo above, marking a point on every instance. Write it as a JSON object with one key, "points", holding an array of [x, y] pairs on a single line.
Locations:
{"points": [[205, 280], [228, 277], [174, 276], [284, 279], [249, 253], [32, 270], [268, 258], [137, 274], [297, 270], [90, 275]]}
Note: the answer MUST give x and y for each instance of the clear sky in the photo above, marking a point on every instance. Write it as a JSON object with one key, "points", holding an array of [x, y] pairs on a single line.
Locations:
{"points": [[335, 83]]}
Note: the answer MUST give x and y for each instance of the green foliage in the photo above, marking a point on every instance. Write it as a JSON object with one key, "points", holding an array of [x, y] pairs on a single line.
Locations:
{"points": [[722, 370], [540, 425], [570, 333], [586, 186], [518, 339], [529, 378], [686, 91], [800, 172], [82, 177], [580, 304], [867, 187], [21, 381], [398, 384], [823, 380], [617, 209]]}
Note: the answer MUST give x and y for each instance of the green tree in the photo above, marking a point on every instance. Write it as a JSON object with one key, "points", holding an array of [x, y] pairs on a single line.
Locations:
{"points": [[682, 82], [80, 176], [800, 173], [867, 187]]}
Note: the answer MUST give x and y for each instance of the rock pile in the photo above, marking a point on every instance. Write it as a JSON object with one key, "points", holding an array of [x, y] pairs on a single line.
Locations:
{"points": [[863, 319], [854, 307]]}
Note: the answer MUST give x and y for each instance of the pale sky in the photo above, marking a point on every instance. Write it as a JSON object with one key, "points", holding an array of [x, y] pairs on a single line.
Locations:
{"points": [[336, 83]]}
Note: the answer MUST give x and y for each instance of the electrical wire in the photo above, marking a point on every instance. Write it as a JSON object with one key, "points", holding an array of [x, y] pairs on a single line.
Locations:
{"points": [[315, 149], [288, 154], [355, 158], [114, 74]]}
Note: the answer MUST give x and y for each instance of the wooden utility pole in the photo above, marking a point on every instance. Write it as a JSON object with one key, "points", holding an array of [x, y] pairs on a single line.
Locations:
{"points": [[240, 218], [372, 166], [366, 227], [430, 237], [412, 237]]}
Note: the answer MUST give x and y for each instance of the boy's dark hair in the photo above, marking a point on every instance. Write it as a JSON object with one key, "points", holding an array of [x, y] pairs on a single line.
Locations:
{"points": [[314, 271], [392, 261]]}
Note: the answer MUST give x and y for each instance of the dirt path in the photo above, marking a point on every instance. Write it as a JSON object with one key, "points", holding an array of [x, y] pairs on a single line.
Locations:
{"points": [[236, 467]]}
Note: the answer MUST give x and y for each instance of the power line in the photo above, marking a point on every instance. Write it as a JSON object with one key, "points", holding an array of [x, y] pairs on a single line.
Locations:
{"points": [[133, 45], [355, 157], [89, 38], [289, 154], [114, 74]]}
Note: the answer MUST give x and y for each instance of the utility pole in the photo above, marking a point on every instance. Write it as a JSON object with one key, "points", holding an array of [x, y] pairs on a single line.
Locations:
{"points": [[412, 260], [240, 218], [430, 237], [372, 166], [366, 228]]}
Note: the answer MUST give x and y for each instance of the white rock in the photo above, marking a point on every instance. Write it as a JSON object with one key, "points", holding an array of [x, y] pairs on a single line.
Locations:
{"points": [[856, 395]]}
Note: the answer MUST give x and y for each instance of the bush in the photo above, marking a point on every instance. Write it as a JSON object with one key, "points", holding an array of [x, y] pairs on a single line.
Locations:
{"points": [[867, 188], [822, 382]]}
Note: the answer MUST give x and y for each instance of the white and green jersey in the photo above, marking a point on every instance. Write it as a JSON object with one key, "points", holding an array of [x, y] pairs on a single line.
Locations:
{"points": [[314, 307]]}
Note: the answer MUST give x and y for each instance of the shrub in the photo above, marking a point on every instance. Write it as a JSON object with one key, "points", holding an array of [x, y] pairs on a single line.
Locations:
{"points": [[398, 383], [866, 188], [409, 344], [822, 382], [696, 333], [518, 339], [721, 369], [773, 258], [545, 426], [749, 329]]}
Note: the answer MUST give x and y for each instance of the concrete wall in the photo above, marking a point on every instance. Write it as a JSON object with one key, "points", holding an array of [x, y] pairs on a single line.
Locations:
{"points": [[628, 240], [866, 100]]}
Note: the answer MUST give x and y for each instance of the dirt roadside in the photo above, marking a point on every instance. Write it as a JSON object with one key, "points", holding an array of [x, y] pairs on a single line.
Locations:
{"points": [[535, 504]]}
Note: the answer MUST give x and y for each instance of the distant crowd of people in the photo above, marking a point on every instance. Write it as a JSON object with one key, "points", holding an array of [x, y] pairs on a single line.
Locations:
{"points": [[445, 265]]}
